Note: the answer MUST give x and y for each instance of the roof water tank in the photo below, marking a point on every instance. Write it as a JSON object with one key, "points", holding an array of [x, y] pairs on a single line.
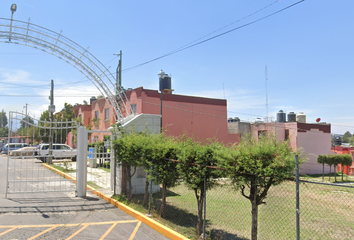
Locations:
{"points": [[281, 116], [291, 117], [301, 118], [92, 99], [165, 83]]}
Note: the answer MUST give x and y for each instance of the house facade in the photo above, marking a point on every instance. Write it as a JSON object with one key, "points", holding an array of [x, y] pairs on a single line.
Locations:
{"points": [[198, 117], [309, 138]]}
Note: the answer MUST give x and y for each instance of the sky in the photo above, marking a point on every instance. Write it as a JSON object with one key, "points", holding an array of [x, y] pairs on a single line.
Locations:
{"points": [[261, 55]]}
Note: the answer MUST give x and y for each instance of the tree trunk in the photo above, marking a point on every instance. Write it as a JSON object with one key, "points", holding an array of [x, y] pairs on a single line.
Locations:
{"points": [[254, 203], [335, 173], [330, 171], [200, 211], [124, 179], [342, 172], [163, 200], [254, 220], [129, 178], [322, 172], [146, 194]]}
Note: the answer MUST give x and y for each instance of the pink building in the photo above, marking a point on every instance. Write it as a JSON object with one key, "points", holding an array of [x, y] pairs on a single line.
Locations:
{"points": [[311, 139], [198, 117]]}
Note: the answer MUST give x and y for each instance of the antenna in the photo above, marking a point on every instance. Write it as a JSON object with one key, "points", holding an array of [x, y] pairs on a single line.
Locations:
{"points": [[223, 89], [266, 86]]}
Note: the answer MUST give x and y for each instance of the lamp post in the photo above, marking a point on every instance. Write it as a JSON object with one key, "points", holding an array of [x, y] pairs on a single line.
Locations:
{"points": [[13, 9]]}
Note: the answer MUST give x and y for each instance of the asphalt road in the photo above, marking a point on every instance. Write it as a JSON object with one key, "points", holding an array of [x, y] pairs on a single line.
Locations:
{"points": [[61, 215]]}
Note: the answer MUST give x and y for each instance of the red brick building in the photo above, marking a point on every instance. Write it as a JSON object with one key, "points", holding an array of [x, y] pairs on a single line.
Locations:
{"points": [[198, 117]]}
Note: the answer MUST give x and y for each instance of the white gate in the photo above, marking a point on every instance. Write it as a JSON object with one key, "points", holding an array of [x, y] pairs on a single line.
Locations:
{"points": [[100, 161], [28, 148]]}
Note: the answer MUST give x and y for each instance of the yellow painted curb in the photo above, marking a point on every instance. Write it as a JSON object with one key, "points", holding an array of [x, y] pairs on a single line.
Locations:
{"points": [[167, 232]]}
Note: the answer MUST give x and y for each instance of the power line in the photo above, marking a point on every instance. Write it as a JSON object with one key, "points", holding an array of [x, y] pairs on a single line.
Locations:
{"points": [[216, 36], [45, 96]]}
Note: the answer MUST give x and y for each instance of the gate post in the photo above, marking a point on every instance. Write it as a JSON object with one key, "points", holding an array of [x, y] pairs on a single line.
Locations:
{"points": [[81, 161]]}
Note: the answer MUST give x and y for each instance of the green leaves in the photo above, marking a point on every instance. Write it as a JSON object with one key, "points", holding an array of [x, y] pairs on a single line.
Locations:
{"points": [[334, 159]]}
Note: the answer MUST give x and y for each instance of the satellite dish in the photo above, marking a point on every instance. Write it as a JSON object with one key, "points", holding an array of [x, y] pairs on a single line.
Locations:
{"points": [[318, 119]]}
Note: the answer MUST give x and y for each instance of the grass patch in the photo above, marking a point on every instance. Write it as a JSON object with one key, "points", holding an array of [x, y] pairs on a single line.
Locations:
{"points": [[326, 212], [94, 185], [105, 169], [63, 168], [328, 178]]}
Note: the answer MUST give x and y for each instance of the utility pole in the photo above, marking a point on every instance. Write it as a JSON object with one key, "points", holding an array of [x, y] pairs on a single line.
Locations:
{"points": [[119, 81], [119, 73], [26, 124], [51, 111]]}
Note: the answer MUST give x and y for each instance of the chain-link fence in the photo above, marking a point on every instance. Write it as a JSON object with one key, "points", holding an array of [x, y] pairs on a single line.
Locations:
{"points": [[326, 211]]}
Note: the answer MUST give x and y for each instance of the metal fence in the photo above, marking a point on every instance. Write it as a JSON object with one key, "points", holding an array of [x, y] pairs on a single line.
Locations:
{"points": [[25, 171], [326, 211]]}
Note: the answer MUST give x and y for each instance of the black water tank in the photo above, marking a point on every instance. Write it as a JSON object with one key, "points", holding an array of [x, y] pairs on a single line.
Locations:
{"points": [[281, 116], [92, 99], [291, 117], [165, 83]]}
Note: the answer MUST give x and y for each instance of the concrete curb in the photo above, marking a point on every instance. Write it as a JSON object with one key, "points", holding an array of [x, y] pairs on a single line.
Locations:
{"points": [[165, 231]]}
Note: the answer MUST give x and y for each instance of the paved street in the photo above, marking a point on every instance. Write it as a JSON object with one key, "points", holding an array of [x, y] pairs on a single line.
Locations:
{"points": [[61, 215]]}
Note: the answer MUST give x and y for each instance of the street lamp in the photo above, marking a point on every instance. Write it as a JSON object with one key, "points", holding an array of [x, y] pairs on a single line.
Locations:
{"points": [[13, 9]]}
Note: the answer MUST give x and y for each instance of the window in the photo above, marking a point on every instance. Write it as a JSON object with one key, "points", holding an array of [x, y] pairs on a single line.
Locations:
{"points": [[96, 115], [133, 106], [286, 134], [106, 114]]}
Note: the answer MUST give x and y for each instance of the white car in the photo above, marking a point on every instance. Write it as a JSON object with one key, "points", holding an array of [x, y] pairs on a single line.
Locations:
{"points": [[59, 151]]}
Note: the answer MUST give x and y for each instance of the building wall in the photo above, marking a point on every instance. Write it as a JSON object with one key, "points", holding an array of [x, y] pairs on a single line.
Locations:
{"points": [[279, 130], [311, 139], [242, 128], [198, 117], [100, 105], [314, 143]]}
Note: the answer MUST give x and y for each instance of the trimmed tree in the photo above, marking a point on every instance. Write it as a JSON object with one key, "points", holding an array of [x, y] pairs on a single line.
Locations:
{"points": [[345, 160], [194, 159], [334, 159], [321, 159], [256, 165], [164, 171], [128, 149]]}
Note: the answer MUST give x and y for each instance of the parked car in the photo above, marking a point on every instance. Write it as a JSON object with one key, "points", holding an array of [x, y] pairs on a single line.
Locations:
{"points": [[13, 146], [25, 151], [59, 151]]}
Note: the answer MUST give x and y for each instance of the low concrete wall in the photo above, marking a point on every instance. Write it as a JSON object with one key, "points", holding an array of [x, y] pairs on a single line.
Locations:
{"points": [[150, 124]]}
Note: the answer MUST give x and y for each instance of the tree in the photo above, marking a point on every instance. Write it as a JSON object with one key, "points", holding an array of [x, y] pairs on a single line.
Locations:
{"points": [[254, 166], [194, 159], [26, 122], [334, 159], [163, 171], [345, 160], [3, 119], [346, 137], [44, 118], [128, 149]]}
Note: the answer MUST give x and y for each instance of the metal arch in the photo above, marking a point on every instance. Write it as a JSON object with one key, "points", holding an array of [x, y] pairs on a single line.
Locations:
{"points": [[35, 36]]}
